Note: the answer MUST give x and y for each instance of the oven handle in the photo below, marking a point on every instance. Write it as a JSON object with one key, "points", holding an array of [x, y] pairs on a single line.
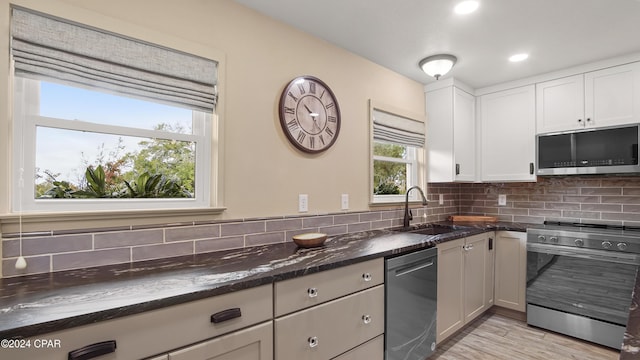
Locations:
{"points": [[609, 256]]}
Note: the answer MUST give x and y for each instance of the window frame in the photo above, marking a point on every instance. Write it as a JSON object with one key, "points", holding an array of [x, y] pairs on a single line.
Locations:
{"points": [[418, 173], [26, 119]]}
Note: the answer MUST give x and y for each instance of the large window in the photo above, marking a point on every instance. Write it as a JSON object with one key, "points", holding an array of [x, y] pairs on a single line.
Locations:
{"points": [[107, 123], [397, 154]]}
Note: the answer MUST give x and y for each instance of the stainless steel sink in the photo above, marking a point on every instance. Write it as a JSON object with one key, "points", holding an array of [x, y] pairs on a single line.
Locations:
{"points": [[430, 229]]}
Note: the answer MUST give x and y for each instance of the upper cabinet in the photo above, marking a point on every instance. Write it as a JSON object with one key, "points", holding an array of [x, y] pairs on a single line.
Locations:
{"points": [[507, 121], [451, 135], [599, 98]]}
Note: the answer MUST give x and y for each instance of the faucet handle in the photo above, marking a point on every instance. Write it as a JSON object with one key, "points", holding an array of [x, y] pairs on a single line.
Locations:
{"points": [[410, 214]]}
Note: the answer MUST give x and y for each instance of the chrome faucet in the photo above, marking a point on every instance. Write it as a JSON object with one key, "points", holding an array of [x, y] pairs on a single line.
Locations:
{"points": [[407, 213]]}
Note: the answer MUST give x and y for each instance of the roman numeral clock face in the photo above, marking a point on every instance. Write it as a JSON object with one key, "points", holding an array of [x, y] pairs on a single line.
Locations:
{"points": [[309, 114]]}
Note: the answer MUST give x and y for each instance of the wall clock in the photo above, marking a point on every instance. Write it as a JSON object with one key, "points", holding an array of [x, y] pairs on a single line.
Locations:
{"points": [[309, 114]]}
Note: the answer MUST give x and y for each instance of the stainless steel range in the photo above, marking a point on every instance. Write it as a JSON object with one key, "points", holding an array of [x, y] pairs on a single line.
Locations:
{"points": [[580, 278]]}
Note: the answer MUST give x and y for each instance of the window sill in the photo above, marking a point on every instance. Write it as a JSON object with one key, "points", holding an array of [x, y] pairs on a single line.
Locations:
{"points": [[51, 222]]}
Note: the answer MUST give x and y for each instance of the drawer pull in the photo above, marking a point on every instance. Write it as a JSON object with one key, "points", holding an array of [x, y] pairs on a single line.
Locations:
{"points": [[366, 319], [313, 341], [313, 292], [366, 277], [93, 350], [225, 315]]}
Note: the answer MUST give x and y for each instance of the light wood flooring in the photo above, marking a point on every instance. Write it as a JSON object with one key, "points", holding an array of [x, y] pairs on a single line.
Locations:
{"points": [[496, 337]]}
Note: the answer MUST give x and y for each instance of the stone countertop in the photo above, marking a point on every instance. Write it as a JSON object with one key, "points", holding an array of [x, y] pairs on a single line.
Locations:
{"points": [[39, 304]]}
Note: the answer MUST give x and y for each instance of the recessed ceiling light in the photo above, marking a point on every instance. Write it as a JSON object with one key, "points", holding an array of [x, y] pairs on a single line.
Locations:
{"points": [[466, 7], [518, 57]]}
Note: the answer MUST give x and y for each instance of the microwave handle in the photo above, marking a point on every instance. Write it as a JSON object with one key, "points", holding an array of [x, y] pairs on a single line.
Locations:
{"points": [[531, 168]]}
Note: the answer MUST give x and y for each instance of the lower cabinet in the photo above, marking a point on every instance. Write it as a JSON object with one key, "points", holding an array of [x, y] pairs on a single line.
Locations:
{"points": [[330, 329], [465, 282], [371, 350], [255, 343], [511, 270]]}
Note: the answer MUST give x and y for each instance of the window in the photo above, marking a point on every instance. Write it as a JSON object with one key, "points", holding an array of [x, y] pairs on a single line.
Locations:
{"points": [[398, 150], [107, 123]]}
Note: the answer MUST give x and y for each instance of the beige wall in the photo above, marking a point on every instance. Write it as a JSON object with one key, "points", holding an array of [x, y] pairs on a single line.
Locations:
{"points": [[263, 174]]}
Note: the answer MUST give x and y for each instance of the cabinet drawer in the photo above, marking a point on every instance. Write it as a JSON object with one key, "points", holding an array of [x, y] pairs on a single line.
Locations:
{"points": [[253, 343], [306, 291], [371, 350], [157, 331], [330, 329]]}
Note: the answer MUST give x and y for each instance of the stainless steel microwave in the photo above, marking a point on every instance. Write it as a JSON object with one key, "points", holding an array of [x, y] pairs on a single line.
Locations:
{"points": [[605, 150]]}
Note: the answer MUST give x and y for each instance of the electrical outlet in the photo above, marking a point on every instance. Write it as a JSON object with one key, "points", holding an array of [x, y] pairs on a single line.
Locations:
{"points": [[441, 199], [345, 201], [303, 203], [502, 200]]}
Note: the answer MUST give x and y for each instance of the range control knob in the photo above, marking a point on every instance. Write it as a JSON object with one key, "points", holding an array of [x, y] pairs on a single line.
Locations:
{"points": [[542, 238], [606, 245], [579, 242], [622, 246], [554, 239]]}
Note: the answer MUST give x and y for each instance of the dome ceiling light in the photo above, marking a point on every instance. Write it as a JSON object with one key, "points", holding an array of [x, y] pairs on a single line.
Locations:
{"points": [[437, 65]]}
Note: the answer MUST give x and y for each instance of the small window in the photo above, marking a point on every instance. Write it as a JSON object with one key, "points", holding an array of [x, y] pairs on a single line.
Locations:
{"points": [[397, 153]]}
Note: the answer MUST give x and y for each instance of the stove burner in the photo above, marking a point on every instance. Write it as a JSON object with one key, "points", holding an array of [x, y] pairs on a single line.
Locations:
{"points": [[593, 226]]}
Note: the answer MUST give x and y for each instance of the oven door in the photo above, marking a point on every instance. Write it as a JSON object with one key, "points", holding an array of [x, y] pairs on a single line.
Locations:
{"points": [[593, 283]]}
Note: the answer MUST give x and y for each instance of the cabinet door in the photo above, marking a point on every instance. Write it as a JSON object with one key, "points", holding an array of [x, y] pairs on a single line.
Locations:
{"points": [[449, 317], [508, 135], [476, 272], [560, 104], [511, 270], [612, 96], [464, 135], [439, 106], [255, 343]]}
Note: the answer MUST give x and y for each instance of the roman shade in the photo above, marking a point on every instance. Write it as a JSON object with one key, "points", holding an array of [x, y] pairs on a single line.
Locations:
{"points": [[48, 48], [397, 129]]}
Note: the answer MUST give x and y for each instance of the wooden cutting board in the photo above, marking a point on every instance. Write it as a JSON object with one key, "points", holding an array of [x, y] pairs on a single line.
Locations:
{"points": [[470, 218]]}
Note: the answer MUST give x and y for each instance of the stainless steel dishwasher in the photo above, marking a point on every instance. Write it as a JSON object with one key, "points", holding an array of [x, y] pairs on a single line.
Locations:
{"points": [[410, 299]]}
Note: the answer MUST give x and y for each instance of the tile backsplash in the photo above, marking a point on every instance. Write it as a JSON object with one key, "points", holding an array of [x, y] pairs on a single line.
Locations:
{"points": [[600, 199], [59, 251]]}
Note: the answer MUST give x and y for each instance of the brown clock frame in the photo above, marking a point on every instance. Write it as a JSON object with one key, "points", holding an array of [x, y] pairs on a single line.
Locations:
{"points": [[316, 102]]}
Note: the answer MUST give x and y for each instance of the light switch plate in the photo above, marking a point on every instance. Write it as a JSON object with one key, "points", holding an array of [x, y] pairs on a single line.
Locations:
{"points": [[441, 199], [303, 203], [344, 201], [502, 200]]}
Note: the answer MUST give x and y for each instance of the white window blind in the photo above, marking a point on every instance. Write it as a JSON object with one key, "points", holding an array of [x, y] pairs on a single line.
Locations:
{"points": [[397, 129], [47, 48]]}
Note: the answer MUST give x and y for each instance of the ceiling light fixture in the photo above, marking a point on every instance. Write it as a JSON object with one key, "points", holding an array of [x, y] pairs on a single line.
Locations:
{"points": [[518, 57], [438, 65], [466, 7]]}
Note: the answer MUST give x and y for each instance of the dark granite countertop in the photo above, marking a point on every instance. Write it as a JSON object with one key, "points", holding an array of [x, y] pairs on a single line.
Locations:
{"points": [[39, 304]]}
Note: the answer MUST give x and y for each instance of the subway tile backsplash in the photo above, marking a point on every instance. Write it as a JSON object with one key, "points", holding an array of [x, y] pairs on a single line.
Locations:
{"points": [[48, 252], [600, 199]]}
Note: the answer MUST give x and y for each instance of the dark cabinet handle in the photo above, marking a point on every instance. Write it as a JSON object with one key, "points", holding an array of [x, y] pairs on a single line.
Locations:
{"points": [[225, 315], [457, 169], [579, 120], [588, 119], [490, 244], [93, 350], [531, 168]]}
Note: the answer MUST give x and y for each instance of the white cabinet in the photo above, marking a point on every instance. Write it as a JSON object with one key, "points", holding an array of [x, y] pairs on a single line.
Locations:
{"points": [[254, 343], [163, 330], [323, 315], [511, 270], [599, 98], [507, 120], [451, 135], [465, 282], [560, 104]]}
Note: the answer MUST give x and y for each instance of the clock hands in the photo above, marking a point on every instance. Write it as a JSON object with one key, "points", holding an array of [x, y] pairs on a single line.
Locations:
{"points": [[313, 117]]}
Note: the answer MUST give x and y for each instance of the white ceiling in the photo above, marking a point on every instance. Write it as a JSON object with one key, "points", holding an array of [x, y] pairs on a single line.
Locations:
{"points": [[397, 34]]}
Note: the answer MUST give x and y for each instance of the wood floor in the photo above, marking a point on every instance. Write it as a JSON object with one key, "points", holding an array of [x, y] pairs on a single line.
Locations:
{"points": [[496, 337]]}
